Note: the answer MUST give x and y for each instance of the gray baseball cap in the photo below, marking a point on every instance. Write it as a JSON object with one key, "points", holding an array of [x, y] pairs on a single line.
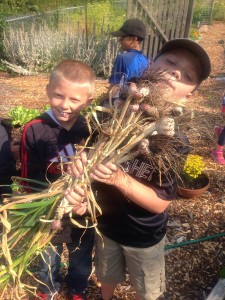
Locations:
{"points": [[194, 48], [131, 27]]}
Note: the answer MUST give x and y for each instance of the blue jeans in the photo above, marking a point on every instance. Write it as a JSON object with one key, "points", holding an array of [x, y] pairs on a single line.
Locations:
{"points": [[80, 264]]}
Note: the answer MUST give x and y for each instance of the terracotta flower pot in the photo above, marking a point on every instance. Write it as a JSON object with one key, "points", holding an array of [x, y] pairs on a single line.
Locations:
{"points": [[193, 192]]}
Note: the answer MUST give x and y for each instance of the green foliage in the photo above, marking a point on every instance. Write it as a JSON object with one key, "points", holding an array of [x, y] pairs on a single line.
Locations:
{"points": [[13, 7], [2, 26], [194, 166], [105, 12], [200, 10], [197, 11], [219, 10], [21, 115]]}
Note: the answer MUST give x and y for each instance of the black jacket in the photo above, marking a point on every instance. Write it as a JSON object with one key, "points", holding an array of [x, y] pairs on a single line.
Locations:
{"points": [[44, 145]]}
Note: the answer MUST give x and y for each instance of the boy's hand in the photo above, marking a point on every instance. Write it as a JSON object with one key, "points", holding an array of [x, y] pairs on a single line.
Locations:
{"points": [[223, 114], [108, 173], [76, 200], [77, 167]]}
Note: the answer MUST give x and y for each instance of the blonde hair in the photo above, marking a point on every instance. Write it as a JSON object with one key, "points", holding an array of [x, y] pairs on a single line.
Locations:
{"points": [[74, 71]]}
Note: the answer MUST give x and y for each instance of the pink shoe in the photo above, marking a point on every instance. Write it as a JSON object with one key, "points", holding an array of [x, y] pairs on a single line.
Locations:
{"points": [[218, 130], [218, 157]]}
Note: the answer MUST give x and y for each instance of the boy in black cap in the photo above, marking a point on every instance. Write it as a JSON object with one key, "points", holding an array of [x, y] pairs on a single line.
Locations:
{"points": [[185, 64], [131, 62]]}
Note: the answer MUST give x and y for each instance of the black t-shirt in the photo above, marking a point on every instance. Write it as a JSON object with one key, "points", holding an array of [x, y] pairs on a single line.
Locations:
{"points": [[127, 223]]}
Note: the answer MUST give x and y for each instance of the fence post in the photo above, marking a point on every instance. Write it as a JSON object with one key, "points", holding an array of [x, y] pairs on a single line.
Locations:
{"points": [[211, 12], [129, 8], [189, 18]]}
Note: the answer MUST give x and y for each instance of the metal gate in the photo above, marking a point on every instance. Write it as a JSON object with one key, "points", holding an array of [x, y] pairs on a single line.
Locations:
{"points": [[164, 19]]}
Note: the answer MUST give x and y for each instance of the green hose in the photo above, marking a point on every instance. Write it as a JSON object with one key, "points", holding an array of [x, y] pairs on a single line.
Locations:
{"points": [[206, 238]]}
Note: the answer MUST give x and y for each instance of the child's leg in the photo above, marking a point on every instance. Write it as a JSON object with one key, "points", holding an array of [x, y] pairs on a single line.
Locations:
{"points": [[218, 153], [48, 271], [107, 291], [221, 139], [110, 265], [80, 259], [218, 130], [146, 267]]}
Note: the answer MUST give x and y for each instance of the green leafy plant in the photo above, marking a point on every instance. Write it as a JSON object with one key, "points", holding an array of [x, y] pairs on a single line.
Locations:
{"points": [[195, 35], [21, 115]]}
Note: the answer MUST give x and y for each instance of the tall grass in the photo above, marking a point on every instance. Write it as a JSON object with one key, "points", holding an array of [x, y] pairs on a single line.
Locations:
{"points": [[38, 50]]}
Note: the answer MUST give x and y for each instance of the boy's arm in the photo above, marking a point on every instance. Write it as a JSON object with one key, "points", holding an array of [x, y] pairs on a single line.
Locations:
{"points": [[31, 162], [135, 191], [111, 174]]}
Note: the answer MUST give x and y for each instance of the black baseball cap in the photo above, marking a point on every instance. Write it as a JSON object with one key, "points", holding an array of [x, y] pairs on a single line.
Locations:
{"points": [[194, 48], [131, 27]]}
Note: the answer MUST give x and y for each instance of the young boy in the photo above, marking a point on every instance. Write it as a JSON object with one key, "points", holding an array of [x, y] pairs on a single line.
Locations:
{"points": [[131, 63], [133, 200], [185, 63], [46, 142]]}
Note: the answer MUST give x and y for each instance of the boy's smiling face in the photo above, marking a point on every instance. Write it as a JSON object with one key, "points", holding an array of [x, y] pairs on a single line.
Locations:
{"points": [[182, 71], [67, 99]]}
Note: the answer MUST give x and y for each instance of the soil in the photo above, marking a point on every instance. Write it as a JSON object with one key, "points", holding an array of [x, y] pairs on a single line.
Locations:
{"points": [[192, 270], [196, 183]]}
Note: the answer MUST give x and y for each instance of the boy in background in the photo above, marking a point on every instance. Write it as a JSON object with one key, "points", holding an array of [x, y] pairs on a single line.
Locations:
{"points": [[134, 202], [46, 142], [131, 63]]}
